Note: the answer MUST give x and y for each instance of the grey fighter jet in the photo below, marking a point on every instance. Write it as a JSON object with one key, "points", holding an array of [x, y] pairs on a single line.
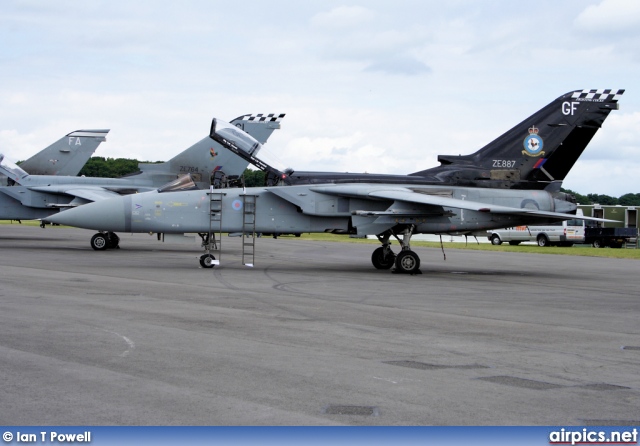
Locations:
{"points": [[38, 196], [455, 202]]}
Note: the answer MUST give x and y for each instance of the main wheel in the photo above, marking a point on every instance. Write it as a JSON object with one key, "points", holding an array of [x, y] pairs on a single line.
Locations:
{"points": [[495, 239], [407, 262], [99, 242], [380, 261], [543, 240], [206, 260], [597, 243]]}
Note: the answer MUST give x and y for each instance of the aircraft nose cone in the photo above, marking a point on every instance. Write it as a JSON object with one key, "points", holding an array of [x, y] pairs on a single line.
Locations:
{"points": [[104, 215]]}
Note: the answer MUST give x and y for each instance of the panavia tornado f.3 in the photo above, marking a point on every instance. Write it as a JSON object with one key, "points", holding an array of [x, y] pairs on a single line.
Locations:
{"points": [[512, 181]]}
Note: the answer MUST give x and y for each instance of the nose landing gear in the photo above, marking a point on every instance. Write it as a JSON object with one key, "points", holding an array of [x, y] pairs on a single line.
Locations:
{"points": [[105, 240]]}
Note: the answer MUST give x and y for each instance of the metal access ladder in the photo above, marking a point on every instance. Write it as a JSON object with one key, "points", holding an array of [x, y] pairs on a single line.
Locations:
{"points": [[249, 229], [215, 223]]}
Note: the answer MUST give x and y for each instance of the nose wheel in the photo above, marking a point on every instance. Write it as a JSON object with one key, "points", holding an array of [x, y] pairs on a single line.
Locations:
{"points": [[207, 260], [105, 240]]}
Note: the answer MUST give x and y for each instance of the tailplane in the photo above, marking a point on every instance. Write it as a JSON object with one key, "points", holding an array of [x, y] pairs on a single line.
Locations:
{"points": [[539, 151], [67, 156]]}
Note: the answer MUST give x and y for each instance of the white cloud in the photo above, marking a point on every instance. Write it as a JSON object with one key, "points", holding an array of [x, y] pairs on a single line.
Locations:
{"points": [[399, 65], [604, 177], [343, 17], [610, 16]]}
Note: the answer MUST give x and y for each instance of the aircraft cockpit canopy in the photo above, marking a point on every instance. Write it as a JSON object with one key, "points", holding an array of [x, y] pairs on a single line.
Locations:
{"points": [[247, 147], [11, 170], [240, 139], [182, 183]]}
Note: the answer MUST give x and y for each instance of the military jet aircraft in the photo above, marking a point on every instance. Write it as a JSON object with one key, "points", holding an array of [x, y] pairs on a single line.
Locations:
{"points": [[447, 201], [38, 196]]}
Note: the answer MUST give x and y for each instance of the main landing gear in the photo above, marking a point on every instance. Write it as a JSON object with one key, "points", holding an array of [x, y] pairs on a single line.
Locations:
{"points": [[406, 262], [105, 240]]}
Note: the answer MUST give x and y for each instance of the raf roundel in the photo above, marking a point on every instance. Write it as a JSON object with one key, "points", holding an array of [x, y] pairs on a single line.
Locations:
{"points": [[236, 205]]}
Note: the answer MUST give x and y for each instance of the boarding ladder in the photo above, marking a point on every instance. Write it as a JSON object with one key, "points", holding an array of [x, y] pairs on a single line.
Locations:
{"points": [[249, 229], [215, 222]]}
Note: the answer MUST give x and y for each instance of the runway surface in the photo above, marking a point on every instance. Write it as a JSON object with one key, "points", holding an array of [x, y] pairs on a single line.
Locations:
{"points": [[312, 335]]}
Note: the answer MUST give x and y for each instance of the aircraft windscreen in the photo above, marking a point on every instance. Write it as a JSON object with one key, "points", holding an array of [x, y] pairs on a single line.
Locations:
{"points": [[182, 183], [242, 140], [10, 169]]}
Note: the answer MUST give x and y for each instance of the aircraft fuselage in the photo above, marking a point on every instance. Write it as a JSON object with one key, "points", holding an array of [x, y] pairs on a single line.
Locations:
{"points": [[311, 209]]}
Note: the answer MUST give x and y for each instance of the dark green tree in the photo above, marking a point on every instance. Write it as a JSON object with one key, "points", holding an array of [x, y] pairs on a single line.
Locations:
{"points": [[253, 178], [629, 200], [602, 199], [582, 199], [99, 166]]}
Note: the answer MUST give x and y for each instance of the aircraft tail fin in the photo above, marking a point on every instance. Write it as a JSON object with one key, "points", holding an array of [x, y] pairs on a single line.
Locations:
{"points": [[260, 126], [540, 150], [206, 157], [67, 156]]}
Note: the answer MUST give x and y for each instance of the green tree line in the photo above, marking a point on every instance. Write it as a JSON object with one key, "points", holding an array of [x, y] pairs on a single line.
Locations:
{"points": [[623, 200], [98, 166]]}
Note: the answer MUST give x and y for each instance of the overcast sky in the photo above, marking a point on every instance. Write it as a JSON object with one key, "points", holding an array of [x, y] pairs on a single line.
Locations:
{"points": [[376, 86]]}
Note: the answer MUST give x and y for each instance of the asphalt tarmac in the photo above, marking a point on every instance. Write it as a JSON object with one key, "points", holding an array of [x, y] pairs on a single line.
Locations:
{"points": [[312, 335]]}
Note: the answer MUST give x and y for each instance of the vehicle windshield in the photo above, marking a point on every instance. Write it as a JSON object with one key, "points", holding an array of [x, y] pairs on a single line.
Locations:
{"points": [[240, 139], [182, 183], [11, 170]]}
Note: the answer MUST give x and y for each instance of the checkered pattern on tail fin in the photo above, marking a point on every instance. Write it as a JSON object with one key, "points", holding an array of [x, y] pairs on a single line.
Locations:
{"points": [[600, 95], [261, 117]]}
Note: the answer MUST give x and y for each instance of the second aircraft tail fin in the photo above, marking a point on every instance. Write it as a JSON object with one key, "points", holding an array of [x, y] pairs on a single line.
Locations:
{"points": [[206, 157], [67, 156]]}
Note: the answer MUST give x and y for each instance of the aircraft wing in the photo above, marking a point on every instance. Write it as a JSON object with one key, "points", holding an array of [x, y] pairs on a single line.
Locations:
{"points": [[84, 192], [409, 196]]}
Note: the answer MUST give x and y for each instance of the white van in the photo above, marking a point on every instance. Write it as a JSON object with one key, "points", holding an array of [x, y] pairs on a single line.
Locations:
{"points": [[562, 233]]}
